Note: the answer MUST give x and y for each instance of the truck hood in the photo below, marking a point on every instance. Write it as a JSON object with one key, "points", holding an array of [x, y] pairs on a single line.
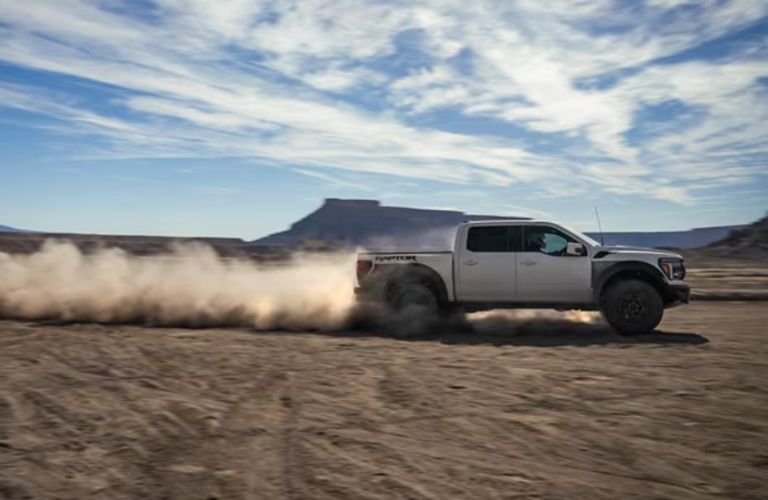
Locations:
{"points": [[639, 250]]}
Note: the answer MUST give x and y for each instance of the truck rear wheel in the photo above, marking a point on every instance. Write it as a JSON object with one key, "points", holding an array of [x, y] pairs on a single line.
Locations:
{"points": [[632, 307], [413, 296]]}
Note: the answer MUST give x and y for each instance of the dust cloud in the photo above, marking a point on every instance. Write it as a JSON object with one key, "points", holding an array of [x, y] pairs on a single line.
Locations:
{"points": [[192, 286]]}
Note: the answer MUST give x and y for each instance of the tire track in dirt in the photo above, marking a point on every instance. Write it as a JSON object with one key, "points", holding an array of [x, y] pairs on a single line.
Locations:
{"points": [[293, 463], [229, 455]]}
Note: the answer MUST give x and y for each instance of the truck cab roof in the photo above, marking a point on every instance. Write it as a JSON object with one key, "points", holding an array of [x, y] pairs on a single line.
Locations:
{"points": [[517, 222]]}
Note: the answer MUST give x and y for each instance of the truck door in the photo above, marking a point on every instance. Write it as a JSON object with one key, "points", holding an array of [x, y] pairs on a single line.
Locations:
{"points": [[485, 266], [546, 274]]}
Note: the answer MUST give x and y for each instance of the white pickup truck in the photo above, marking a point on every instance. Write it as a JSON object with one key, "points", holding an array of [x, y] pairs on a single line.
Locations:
{"points": [[529, 264]]}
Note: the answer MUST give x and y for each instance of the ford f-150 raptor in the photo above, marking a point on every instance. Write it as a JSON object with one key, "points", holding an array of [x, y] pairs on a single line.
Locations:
{"points": [[529, 264]]}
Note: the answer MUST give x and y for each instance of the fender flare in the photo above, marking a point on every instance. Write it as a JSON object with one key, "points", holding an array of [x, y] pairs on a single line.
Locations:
{"points": [[601, 277]]}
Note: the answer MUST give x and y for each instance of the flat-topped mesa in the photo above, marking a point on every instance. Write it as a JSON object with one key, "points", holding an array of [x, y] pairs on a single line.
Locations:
{"points": [[358, 221], [351, 203]]}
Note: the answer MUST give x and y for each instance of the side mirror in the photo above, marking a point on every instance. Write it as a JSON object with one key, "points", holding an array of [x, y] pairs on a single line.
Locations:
{"points": [[575, 249]]}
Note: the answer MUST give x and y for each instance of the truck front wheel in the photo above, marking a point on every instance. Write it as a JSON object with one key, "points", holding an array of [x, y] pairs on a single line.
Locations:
{"points": [[413, 296], [632, 307]]}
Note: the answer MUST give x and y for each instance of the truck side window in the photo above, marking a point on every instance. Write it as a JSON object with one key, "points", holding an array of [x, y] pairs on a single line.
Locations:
{"points": [[515, 238], [547, 240], [488, 239]]}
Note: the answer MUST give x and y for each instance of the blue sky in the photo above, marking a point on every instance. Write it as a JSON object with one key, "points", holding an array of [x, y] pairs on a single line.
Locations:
{"points": [[237, 117]]}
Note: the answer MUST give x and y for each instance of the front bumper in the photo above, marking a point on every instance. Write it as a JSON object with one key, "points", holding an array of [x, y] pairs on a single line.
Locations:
{"points": [[678, 294]]}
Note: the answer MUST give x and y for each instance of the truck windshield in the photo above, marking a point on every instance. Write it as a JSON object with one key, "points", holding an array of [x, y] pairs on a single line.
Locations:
{"points": [[586, 239]]}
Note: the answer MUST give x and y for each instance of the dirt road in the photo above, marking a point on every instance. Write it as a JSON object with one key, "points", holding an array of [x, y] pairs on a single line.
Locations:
{"points": [[555, 410]]}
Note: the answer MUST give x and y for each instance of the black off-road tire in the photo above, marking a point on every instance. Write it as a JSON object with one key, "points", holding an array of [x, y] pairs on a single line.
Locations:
{"points": [[632, 307], [413, 296]]}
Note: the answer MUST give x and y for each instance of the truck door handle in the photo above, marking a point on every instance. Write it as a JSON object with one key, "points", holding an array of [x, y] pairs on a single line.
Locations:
{"points": [[528, 262], [470, 262]]}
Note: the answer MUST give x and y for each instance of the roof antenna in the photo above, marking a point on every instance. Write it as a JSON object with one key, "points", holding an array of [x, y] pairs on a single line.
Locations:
{"points": [[599, 226]]}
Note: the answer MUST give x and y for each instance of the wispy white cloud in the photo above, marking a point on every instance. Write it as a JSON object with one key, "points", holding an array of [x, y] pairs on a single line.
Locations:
{"points": [[334, 180], [521, 211], [285, 82]]}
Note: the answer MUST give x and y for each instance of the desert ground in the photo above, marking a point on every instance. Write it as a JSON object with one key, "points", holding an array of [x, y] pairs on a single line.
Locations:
{"points": [[504, 407]]}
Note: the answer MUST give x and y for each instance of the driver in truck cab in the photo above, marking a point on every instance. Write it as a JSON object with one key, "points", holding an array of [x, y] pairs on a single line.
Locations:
{"points": [[536, 242]]}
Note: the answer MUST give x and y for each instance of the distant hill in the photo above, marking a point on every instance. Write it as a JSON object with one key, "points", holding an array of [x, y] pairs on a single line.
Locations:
{"points": [[368, 223], [748, 241], [9, 229], [26, 242], [693, 238]]}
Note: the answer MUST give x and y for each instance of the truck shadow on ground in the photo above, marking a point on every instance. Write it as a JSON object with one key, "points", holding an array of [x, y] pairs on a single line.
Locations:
{"points": [[514, 332], [573, 339], [459, 330]]}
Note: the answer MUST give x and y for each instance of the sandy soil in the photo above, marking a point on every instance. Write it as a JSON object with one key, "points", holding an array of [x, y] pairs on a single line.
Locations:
{"points": [[727, 279], [518, 410]]}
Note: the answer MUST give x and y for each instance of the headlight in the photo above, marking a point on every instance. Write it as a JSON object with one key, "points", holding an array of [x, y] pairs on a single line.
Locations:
{"points": [[673, 269]]}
